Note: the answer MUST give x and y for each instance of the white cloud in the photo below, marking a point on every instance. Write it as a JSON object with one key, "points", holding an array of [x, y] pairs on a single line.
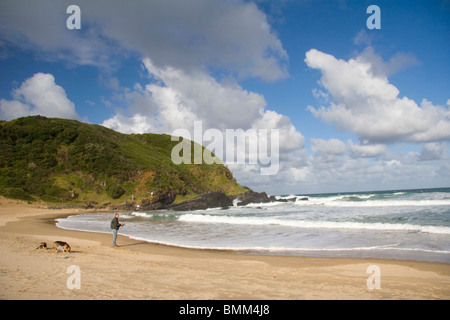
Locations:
{"points": [[13, 109], [178, 98], [350, 173], [433, 151], [380, 68], [290, 138], [368, 150], [363, 38], [183, 97], [41, 26], [135, 124], [368, 105], [335, 147], [321, 95], [332, 146], [230, 35], [224, 34], [38, 95]]}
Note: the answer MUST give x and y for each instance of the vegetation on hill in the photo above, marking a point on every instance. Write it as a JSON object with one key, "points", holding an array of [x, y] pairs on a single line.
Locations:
{"points": [[66, 161]]}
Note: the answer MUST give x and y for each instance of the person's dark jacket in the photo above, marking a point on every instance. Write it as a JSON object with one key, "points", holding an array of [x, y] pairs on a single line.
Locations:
{"points": [[115, 223]]}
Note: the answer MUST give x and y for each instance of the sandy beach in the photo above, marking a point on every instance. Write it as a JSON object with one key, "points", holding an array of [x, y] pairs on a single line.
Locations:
{"points": [[139, 270]]}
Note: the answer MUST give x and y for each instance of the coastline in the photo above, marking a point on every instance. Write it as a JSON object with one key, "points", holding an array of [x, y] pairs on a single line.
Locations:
{"points": [[141, 270]]}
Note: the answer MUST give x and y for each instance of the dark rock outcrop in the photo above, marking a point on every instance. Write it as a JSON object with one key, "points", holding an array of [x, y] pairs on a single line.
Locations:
{"points": [[261, 197], [287, 200], [253, 197], [205, 201], [163, 202], [210, 200]]}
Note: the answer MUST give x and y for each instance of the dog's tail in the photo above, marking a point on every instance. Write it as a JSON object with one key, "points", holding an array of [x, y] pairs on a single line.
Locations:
{"points": [[43, 245]]}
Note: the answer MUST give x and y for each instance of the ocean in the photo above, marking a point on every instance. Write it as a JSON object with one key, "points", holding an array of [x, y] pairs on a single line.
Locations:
{"points": [[399, 224]]}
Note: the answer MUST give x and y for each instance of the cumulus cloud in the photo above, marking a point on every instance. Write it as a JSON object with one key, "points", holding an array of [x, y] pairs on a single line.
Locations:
{"points": [[337, 147], [134, 124], [224, 34], [38, 95], [380, 68], [290, 138], [332, 146], [433, 151], [23, 26], [334, 173], [231, 35], [368, 150], [366, 103], [183, 96], [178, 98]]}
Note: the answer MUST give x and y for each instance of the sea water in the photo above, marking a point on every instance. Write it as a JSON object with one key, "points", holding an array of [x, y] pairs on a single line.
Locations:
{"points": [[400, 224]]}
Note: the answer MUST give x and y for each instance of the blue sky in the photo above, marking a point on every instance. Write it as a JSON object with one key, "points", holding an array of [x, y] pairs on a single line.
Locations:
{"points": [[357, 109]]}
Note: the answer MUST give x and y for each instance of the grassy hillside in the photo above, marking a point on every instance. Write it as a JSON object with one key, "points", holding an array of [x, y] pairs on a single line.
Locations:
{"points": [[61, 161]]}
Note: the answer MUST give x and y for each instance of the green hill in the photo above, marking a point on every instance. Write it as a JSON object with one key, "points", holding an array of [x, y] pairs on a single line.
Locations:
{"points": [[66, 161]]}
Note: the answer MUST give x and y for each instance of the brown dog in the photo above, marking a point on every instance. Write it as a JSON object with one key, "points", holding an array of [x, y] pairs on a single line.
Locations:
{"points": [[64, 245]]}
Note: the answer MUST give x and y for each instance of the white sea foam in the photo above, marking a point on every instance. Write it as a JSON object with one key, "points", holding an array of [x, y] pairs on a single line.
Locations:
{"points": [[384, 203], [354, 200], [368, 201], [141, 214], [220, 219]]}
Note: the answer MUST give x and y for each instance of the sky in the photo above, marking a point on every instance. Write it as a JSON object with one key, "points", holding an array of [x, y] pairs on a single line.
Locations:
{"points": [[357, 108]]}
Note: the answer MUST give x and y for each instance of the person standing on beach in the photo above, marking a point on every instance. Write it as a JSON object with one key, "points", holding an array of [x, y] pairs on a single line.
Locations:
{"points": [[115, 225]]}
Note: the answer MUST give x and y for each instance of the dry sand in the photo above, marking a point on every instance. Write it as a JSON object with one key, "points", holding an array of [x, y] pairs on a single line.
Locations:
{"points": [[139, 270]]}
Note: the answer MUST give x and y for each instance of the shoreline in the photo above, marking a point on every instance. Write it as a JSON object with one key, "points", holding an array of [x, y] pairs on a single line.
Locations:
{"points": [[142, 270], [244, 251]]}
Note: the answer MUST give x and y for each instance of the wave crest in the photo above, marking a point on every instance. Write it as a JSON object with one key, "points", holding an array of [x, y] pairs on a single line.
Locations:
{"points": [[220, 219]]}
